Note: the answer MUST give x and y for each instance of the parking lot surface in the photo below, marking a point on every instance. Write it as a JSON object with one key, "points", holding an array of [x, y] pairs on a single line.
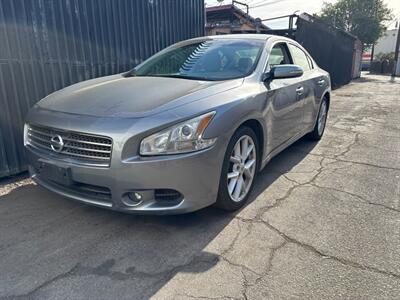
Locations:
{"points": [[323, 223]]}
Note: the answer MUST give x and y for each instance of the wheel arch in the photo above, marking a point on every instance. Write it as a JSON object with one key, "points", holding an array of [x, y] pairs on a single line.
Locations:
{"points": [[327, 95], [258, 129]]}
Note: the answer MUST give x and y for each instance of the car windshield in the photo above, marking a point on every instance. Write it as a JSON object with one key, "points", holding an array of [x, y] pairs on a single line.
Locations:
{"points": [[204, 60]]}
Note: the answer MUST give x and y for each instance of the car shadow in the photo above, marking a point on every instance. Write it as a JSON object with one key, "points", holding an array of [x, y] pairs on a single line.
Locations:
{"points": [[48, 243]]}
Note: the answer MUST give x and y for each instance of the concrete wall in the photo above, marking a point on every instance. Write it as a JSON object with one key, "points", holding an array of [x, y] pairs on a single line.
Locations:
{"points": [[387, 42]]}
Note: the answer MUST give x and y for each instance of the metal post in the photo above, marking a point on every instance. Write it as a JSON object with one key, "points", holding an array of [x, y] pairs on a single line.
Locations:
{"points": [[372, 53], [396, 52], [241, 3]]}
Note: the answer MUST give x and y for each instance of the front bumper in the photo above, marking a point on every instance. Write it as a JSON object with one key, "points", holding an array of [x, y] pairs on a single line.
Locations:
{"points": [[195, 176]]}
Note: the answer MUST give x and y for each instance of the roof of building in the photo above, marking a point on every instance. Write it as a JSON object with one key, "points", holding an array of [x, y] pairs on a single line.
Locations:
{"points": [[226, 10]]}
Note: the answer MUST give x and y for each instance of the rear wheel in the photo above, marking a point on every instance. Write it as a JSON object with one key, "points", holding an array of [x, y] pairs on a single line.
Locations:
{"points": [[319, 127], [239, 170]]}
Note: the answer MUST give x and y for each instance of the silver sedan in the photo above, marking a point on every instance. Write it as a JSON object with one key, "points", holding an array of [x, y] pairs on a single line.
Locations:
{"points": [[189, 127]]}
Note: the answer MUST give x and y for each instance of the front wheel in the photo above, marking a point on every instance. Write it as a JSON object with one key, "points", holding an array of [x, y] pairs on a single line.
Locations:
{"points": [[239, 169]]}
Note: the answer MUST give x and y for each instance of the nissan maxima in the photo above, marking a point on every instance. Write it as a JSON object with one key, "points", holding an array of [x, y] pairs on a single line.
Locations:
{"points": [[189, 127]]}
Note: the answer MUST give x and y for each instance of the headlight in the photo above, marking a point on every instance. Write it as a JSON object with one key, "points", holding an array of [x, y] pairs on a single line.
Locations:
{"points": [[180, 138]]}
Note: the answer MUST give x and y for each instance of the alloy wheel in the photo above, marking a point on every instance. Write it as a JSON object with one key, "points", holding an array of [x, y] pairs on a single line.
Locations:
{"points": [[322, 118], [242, 168]]}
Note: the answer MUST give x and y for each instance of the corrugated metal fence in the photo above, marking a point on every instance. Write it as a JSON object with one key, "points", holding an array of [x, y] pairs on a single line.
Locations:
{"points": [[332, 49], [46, 45]]}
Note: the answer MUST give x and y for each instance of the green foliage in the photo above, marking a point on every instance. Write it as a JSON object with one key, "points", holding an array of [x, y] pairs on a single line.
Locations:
{"points": [[362, 18], [383, 56]]}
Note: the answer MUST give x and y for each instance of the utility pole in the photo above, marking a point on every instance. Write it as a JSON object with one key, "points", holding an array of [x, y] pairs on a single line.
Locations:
{"points": [[396, 52], [372, 53]]}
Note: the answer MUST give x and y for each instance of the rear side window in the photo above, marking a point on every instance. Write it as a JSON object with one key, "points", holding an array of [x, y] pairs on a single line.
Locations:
{"points": [[299, 57], [279, 56]]}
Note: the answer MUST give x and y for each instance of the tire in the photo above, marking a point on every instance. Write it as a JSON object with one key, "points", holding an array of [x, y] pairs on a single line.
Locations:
{"points": [[228, 198], [318, 131]]}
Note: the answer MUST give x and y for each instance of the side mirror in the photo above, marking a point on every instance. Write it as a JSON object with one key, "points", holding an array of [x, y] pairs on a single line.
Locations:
{"points": [[283, 71]]}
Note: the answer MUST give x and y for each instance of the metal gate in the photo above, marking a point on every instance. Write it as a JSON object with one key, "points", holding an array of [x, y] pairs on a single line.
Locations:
{"points": [[46, 45]]}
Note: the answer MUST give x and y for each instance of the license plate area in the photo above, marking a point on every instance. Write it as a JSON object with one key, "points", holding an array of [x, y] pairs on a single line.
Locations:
{"points": [[55, 173]]}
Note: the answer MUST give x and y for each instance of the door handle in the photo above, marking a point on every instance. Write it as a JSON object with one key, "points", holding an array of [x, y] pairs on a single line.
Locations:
{"points": [[321, 82], [300, 90]]}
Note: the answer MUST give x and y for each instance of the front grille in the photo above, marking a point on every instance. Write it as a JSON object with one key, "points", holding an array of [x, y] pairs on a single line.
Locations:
{"points": [[82, 147], [86, 191]]}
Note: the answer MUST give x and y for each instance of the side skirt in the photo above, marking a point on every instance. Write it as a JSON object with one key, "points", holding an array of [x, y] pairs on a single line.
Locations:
{"points": [[278, 150]]}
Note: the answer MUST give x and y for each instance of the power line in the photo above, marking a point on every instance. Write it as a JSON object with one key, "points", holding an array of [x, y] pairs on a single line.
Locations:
{"points": [[267, 3], [255, 2]]}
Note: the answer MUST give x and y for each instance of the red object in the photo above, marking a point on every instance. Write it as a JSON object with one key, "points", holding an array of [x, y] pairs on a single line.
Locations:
{"points": [[366, 56]]}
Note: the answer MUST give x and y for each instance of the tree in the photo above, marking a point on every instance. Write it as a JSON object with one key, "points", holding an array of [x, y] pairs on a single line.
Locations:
{"points": [[362, 18], [382, 56]]}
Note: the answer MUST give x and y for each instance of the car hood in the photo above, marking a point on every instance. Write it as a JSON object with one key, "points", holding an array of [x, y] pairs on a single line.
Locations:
{"points": [[120, 96]]}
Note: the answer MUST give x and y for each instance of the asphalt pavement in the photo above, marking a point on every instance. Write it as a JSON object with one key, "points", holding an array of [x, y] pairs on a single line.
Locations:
{"points": [[323, 223]]}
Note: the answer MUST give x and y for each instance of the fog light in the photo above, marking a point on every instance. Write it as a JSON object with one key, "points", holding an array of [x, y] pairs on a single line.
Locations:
{"points": [[135, 198]]}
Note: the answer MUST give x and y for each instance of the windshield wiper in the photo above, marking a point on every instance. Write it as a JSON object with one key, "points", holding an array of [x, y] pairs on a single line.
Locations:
{"points": [[131, 73], [184, 77]]}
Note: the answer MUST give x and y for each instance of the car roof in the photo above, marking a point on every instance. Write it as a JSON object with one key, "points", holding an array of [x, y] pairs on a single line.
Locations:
{"points": [[246, 36]]}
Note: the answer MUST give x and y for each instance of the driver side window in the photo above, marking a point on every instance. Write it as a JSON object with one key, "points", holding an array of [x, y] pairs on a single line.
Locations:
{"points": [[279, 55]]}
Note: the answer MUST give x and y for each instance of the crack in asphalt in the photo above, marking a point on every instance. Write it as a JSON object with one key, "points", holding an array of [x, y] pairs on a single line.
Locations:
{"points": [[278, 201], [348, 161], [273, 254], [361, 199], [311, 182], [343, 261], [44, 284], [231, 247], [204, 297], [339, 156], [289, 239], [332, 128], [348, 147], [211, 259], [104, 270]]}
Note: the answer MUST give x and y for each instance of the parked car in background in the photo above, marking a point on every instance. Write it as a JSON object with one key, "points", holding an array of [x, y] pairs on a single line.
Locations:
{"points": [[189, 127], [366, 61]]}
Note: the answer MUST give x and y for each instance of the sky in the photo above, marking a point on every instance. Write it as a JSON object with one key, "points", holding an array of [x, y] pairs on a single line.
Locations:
{"points": [[265, 9]]}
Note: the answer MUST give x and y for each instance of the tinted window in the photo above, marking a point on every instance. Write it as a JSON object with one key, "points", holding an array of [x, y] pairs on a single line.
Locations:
{"points": [[205, 60], [299, 57], [278, 56]]}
